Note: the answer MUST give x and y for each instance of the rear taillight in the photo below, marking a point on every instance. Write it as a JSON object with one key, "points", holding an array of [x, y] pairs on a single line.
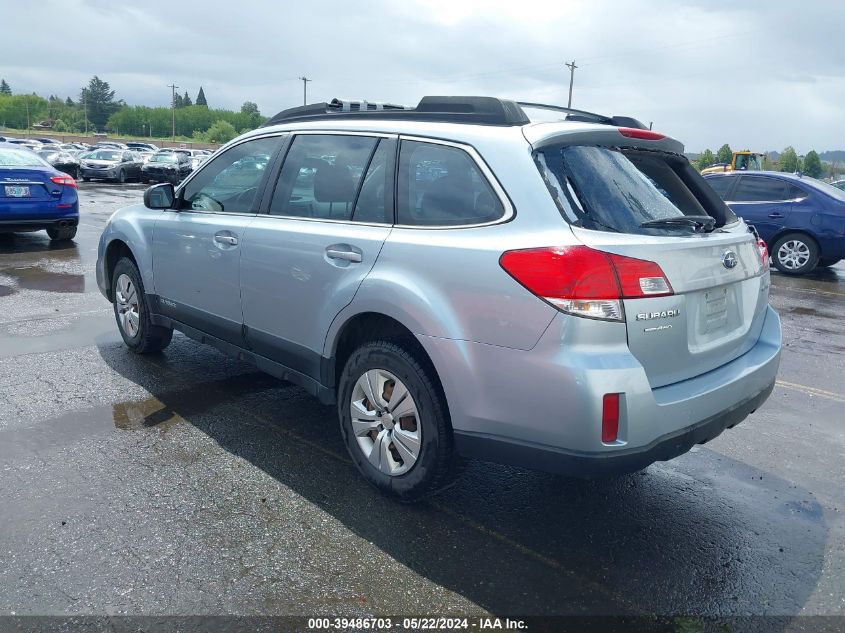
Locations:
{"points": [[585, 282], [65, 181], [645, 135], [764, 254]]}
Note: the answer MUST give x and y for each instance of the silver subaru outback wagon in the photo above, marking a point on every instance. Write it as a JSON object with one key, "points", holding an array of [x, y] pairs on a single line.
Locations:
{"points": [[471, 277]]}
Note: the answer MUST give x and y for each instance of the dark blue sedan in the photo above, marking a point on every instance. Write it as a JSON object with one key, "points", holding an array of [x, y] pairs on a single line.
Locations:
{"points": [[801, 219], [35, 196]]}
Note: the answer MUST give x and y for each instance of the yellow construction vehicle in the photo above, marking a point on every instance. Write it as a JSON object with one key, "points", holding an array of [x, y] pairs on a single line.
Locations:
{"points": [[743, 160]]}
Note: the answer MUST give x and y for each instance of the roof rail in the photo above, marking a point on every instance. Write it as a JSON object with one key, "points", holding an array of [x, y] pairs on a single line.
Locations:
{"points": [[477, 110], [448, 109]]}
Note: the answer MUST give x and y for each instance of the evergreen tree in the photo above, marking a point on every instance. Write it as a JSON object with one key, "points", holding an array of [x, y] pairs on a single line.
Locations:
{"points": [[177, 100], [4, 88], [812, 164], [705, 159], [69, 102], [201, 98], [725, 154], [789, 160], [186, 100], [99, 101]]}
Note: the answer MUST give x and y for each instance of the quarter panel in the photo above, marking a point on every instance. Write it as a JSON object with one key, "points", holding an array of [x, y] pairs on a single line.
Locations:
{"points": [[134, 226]]}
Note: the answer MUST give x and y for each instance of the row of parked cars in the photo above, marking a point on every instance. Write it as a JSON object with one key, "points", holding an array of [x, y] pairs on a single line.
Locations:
{"points": [[114, 161]]}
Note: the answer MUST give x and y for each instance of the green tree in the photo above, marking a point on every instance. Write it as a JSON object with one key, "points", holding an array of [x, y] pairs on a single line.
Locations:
{"points": [[725, 154], [4, 88], [186, 100], [220, 132], [249, 108], [789, 160], [69, 102], [200, 100], [59, 126], [812, 164], [98, 98], [705, 159]]}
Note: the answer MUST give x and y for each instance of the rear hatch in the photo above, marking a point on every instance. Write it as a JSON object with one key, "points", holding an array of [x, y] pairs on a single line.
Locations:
{"points": [[694, 282], [26, 192]]}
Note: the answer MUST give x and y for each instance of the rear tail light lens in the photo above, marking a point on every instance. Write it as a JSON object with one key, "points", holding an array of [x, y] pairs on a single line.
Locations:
{"points": [[610, 418], [585, 282], [764, 254], [65, 181]]}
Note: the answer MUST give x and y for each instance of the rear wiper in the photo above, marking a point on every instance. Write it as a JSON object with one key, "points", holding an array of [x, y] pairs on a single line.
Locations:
{"points": [[698, 221]]}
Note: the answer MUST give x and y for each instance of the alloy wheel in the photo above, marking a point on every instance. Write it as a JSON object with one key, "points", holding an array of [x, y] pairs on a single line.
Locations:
{"points": [[127, 305], [793, 254]]}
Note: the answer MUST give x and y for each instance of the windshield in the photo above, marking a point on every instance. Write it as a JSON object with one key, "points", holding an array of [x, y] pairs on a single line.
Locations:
{"points": [[104, 155], [17, 158], [608, 189], [163, 158]]}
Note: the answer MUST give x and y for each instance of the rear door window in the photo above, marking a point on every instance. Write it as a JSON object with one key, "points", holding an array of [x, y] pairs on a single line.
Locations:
{"points": [[608, 189], [440, 185], [334, 177], [760, 189], [721, 185]]}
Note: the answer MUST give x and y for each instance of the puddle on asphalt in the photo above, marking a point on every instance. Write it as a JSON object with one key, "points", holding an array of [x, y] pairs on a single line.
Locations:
{"points": [[135, 416], [5, 291], [36, 278]]}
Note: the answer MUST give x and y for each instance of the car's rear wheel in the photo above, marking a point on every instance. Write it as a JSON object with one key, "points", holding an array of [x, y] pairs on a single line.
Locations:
{"points": [[132, 313], [86, 179], [395, 422], [825, 262], [795, 254], [121, 176], [63, 233]]}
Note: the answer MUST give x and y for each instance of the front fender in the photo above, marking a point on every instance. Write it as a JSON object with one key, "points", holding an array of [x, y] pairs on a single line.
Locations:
{"points": [[133, 226]]}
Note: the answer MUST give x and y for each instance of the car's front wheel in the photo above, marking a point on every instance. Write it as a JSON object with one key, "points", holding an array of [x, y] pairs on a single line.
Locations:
{"points": [[132, 313], [395, 422], [795, 254]]}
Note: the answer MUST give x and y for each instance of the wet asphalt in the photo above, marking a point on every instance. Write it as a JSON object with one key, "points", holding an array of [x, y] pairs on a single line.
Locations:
{"points": [[189, 483]]}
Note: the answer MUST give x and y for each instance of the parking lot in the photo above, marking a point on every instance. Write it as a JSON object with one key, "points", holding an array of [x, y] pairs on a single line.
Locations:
{"points": [[190, 483]]}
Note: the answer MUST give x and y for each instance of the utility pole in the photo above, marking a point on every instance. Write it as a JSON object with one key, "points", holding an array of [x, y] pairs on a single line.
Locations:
{"points": [[571, 66], [173, 108], [305, 81]]}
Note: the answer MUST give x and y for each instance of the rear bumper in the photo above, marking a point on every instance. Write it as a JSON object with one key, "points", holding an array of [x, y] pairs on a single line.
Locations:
{"points": [[542, 408], [38, 224], [573, 464]]}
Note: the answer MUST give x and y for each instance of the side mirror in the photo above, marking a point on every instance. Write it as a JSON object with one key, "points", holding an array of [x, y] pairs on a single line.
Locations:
{"points": [[161, 196]]}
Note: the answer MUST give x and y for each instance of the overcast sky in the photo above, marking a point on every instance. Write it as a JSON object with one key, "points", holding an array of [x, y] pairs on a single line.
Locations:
{"points": [[755, 74]]}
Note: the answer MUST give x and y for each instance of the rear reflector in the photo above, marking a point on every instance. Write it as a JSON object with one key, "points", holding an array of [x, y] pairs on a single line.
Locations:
{"points": [[586, 282], [610, 418], [66, 181], [646, 135]]}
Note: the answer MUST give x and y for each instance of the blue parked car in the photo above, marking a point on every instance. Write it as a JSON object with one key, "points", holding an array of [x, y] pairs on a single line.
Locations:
{"points": [[35, 195], [801, 219]]}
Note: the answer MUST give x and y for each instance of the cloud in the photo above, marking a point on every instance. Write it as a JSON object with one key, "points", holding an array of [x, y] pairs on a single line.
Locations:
{"points": [[757, 75]]}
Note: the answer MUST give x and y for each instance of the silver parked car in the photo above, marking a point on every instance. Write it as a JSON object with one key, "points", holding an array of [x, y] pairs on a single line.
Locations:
{"points": [[461, 280]]}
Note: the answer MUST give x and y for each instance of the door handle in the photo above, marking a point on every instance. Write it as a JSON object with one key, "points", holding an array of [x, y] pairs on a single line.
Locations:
{"points": [[350, 256], [231, 240], [775, 215]]}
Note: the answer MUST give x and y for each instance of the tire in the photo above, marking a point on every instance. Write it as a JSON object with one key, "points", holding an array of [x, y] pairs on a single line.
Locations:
{"points": [[121, 177], [795, 254], [428, 427], [86, 179], [144, 181], [825, 262], [66, 233], [144, 337]]}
